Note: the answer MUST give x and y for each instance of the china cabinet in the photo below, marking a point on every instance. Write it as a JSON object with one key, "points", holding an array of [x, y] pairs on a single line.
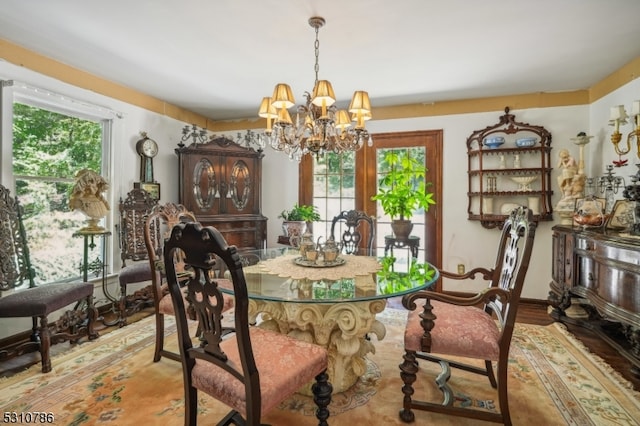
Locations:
{"points": [[598, 271], [220, 182], [509, 164]]}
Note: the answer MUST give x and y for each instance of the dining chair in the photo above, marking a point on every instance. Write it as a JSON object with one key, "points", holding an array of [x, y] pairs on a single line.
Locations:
{"points": [[134, 210], [478, 327], [157, 227], [252, 369], [355, 236], [37, 302]]}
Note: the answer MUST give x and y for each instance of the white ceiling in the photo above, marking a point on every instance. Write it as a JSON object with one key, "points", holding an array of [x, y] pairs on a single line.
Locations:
{"points": [[220, 57]]}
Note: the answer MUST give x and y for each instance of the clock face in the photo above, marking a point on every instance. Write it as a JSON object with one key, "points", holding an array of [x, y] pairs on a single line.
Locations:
{"points": [[149, 148]]}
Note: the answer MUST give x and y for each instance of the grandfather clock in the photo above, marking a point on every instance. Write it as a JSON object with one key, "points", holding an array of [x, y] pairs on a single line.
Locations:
{"points": [[221, 183]]}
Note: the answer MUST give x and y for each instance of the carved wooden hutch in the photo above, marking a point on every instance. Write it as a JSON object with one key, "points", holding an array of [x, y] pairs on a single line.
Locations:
{"points": [[491, 172], [221, 183], [601, 268]]}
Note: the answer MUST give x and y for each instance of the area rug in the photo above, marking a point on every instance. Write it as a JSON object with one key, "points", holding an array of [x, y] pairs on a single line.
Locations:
{"points": [[553, 380]]}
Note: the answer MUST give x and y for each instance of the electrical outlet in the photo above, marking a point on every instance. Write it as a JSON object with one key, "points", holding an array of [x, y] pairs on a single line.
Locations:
{"points": [[460, 268]]}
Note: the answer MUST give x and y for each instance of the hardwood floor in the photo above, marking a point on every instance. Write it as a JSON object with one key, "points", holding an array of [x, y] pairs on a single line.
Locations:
{"points": [[530, 313]]}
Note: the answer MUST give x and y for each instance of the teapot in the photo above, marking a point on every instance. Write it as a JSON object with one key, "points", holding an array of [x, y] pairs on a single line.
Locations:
{"points": [[330, 250], [306, 244]]}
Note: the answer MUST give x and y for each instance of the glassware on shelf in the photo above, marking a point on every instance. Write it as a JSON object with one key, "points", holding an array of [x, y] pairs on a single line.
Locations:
{"points": [[524, 182]]}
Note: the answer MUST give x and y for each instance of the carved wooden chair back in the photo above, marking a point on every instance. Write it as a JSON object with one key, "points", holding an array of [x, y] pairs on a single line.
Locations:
{"points": [[247, 370], [477, 327], [358, 232], [14, 252], [157, 228], [134, 210], [37, 302]]}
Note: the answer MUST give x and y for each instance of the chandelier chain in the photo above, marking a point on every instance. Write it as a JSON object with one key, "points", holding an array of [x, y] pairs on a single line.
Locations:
{"points": [[317, 48]]}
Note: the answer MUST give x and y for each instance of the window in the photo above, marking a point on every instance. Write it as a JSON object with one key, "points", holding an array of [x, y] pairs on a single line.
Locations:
{"points": [[52, 138]]}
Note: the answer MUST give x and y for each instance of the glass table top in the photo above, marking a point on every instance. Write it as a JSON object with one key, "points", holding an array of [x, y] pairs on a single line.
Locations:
{"points": [[280, 274]]}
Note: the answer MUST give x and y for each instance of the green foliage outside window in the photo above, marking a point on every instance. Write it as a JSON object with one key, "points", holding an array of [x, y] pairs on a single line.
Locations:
{"points": [[48, 149]]}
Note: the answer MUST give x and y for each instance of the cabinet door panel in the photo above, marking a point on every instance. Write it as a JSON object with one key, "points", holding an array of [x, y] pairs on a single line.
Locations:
{"points": [[241, 185], [205, 185]]}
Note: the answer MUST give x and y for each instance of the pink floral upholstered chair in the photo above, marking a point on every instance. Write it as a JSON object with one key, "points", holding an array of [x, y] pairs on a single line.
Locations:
{"points": [[251, 369], [458, 327]]}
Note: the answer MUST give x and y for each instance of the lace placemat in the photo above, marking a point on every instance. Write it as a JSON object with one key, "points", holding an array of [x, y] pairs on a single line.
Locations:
{"points": [[284, 266]]}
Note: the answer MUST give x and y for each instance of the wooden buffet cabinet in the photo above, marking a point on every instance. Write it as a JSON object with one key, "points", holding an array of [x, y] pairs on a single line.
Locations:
{"points": [[602, 268], [220, 182]]}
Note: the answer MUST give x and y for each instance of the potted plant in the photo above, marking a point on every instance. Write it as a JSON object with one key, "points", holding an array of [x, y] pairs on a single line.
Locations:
{"points": [[402, 191], [295, 221]]}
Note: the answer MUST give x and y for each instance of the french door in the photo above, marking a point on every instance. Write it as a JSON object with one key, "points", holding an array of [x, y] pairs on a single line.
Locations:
{"points": [[352, 187]]}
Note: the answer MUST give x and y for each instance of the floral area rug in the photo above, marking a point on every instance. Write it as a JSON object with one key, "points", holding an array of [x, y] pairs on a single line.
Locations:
{"points": [[553, 380]]}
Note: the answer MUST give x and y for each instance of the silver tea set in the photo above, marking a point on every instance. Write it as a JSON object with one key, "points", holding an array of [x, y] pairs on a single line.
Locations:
{"points": [[311, 251]]}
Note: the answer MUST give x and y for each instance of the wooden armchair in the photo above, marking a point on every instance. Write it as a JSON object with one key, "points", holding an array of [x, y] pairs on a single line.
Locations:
{"points": [[37, 302], [358, 231], [251, 370], [456, 326], [134, 210]]}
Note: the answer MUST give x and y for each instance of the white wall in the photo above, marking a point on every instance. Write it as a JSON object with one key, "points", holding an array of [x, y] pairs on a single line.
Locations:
{"points": [[464, 241]]}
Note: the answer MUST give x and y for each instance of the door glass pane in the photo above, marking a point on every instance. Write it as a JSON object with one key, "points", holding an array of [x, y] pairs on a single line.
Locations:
{"points": [[334, 188], [383, 224]]}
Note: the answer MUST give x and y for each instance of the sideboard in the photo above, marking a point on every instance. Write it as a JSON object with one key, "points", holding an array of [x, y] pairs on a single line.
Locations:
{"points": [[599, 271]]}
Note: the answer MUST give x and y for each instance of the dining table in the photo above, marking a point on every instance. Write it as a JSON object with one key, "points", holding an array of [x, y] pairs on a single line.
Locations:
{"points": [[333, 304]]}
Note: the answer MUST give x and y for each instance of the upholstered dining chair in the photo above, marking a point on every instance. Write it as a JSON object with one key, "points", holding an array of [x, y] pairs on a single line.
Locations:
{"points": [[358, 231], [479, 327], [37, 302], [157, 227], [251, 370], [134, 210]]}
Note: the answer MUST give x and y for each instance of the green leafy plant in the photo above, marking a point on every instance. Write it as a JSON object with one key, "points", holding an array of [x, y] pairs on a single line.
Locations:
{"points": [[404, 188], [391, 281], [303, 213]]}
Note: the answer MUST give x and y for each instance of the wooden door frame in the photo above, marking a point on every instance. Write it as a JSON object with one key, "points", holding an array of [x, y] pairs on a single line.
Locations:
{"points": [[366, 174], [432, 141]]}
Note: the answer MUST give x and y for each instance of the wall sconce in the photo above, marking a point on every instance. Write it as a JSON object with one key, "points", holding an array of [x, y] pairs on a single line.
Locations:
{"points": [[617, 117]]}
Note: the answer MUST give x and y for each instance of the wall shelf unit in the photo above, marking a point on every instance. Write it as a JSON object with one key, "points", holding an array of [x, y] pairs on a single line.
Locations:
{"points": [[508, 175]]}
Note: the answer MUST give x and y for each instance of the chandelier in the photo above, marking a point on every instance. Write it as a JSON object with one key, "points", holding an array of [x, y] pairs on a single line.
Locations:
{"points": [[319, 126]]}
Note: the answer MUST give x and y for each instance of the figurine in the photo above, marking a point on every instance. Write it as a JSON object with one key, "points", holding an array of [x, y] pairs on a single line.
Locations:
{"points": [[569, 168], [87, 197]]}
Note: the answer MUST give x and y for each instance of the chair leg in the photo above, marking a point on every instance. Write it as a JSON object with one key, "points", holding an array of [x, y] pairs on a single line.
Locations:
{"points": [[408, 370], [322, 390], [492, 378], [503, 396], [45, 344], [190, 405], [159, 336], [122, 306], [92, 317]]}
